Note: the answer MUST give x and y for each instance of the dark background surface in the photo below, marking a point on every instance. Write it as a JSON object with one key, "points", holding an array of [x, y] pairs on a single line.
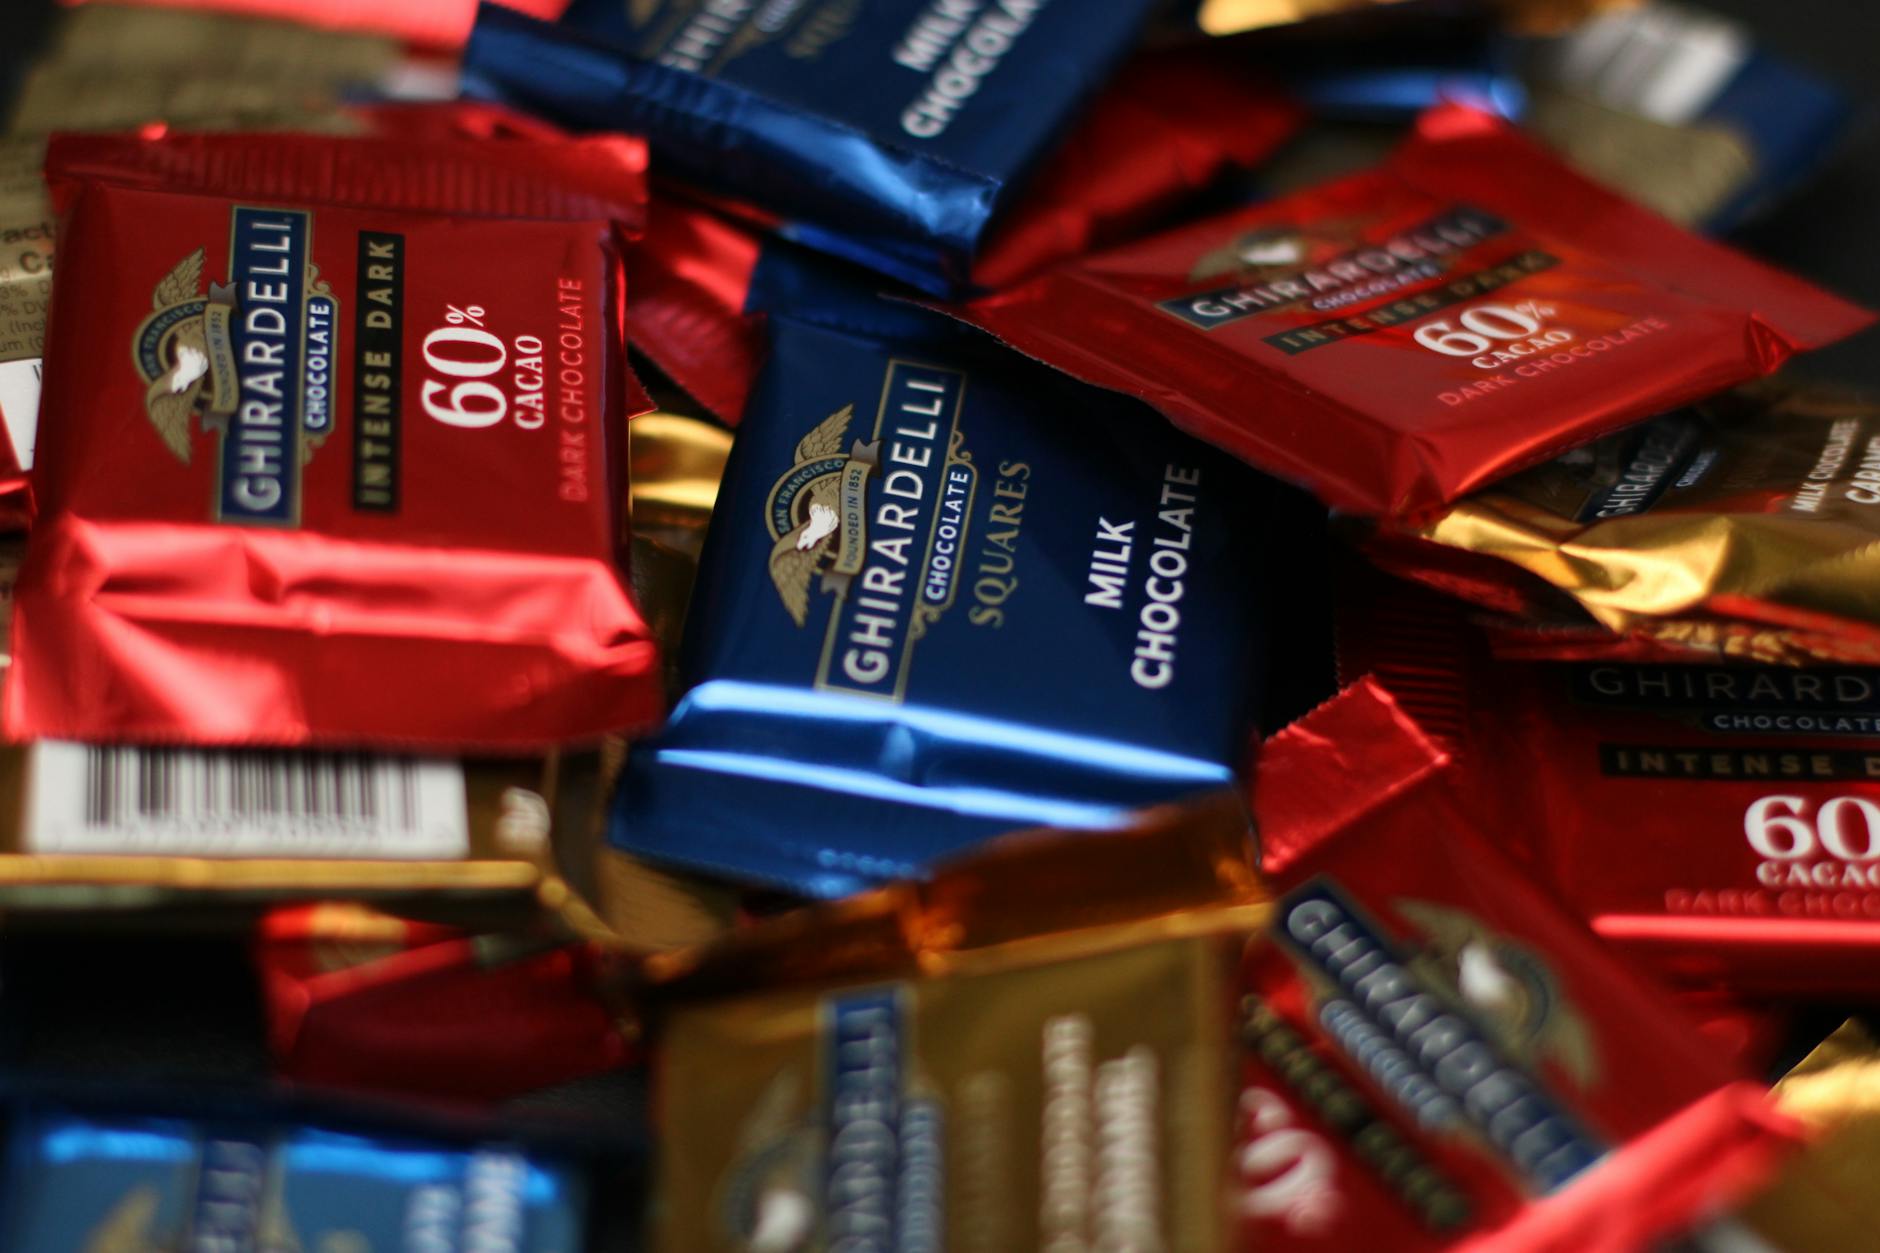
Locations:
{"points": [[138, 1008]]}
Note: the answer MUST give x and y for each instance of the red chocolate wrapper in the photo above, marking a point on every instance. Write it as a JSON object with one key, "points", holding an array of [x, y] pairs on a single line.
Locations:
{"points": [[412, 1008], [1169, 125], [16, 487], [1396, 338], [1753, 1034], [409, 541], [1721, 822], [432, 23], [690, 275], [429, 120], [1598, 1121]]}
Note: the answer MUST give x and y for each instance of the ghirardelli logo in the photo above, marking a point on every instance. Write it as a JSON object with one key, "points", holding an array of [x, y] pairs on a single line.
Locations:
{"points": [[767, 1199], [818, 513], [1511, 988], [1323, 265], [172, 350], [879, 529], [253, 357], [1271, 251], [1452, 1023]]}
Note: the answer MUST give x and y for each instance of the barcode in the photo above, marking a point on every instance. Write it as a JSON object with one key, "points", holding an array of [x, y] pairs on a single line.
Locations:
{"points": [[238, 803], [136, 786]]}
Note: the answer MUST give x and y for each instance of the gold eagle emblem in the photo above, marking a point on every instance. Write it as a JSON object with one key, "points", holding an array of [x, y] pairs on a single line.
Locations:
{"points": [[1510, 988], [1270, 252], [798, 553], [171, 398]]}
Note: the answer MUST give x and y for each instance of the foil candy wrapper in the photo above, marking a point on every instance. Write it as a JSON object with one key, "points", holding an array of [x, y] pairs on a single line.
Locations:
{"points": [[1127, 1036], [1397, 338], [1744, 528], [891, 136], [928, 611], [350, 245]]}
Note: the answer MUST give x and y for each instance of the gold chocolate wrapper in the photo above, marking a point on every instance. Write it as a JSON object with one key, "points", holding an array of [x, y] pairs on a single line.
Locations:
{"points": [[1748, 527], [1045, 986], [1824, 1200], [1686, 173], [110, 66], [1232, 17], [113, 36]]}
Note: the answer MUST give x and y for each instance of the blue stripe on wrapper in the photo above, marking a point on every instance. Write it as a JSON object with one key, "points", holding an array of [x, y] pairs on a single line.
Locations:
{"points": [[893, 140], [947, 593], [92, 1181]]}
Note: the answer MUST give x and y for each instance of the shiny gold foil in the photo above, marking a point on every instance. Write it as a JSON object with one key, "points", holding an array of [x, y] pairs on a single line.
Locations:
{"points": [[1824, 1200], [110, 36], [1686, 173], [1048, 985], [1770, 552], [675, 464], [109, 67], [1232, 17]]}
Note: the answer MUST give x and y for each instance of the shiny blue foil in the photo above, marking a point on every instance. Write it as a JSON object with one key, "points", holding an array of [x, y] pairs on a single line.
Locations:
{"points": [[947, 593], [1790, 118], [1395, 79], [840, 128], [88, 1182]]}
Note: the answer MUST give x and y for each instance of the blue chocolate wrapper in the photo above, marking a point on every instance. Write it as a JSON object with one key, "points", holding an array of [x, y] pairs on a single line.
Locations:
{"points": [[87, 1181], [890, 132], [947, 592], [1791, 118]]}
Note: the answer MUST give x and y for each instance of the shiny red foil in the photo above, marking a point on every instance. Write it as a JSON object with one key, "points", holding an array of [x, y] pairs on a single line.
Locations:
{"points": [[1357, 794], [620, 187], [1394, 339], [1171, 123], [481, 606], [457, 1016], [1705, 854], [16, 489], [690, 274]]}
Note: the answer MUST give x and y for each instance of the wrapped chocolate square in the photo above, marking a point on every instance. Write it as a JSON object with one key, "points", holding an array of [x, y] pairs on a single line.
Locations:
{"points": [[368, 445], [1126, 1039], [1720, 822], [1742, 528], [898, 134], [154, 833], [1399, 337], [103, 1167], [945, 593]]}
